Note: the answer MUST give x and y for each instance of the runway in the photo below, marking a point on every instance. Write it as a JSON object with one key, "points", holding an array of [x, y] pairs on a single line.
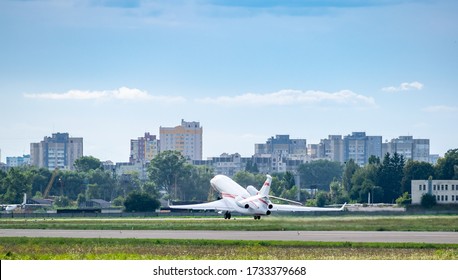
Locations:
{"points": [[350, 236]]}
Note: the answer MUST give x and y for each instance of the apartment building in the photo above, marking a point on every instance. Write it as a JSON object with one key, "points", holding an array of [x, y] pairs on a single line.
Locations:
{"points": [[17, 161], [185, 138], [360, 147], [58, 151], [409, 148], [144, 149]]}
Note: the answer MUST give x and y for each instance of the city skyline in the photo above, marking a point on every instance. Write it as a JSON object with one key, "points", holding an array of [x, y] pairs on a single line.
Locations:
{"points": [[309, 150], [109, 71]]}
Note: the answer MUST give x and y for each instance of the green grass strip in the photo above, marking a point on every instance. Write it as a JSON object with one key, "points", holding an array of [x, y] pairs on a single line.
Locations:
{"points": [[344, 223], [23, 248]]}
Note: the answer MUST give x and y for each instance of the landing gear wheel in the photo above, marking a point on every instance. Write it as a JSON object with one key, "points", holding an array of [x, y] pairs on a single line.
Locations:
{"points": [[257, 217], [227, 215]]}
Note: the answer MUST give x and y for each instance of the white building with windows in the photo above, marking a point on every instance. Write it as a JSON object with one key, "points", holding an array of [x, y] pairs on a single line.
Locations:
{"points": [[445, 191]]}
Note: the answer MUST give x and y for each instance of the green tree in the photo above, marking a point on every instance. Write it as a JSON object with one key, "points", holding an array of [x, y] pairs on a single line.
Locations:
{"points": [[119, 201], [289, 180], [166, 169], [71, 183], [101, 185], [13, 186], [196, 186], [87, 163], [428, 200], [282, 184], [349, 169], [374, 160], [245, 178], [277, 186], [321, 199], [447, 167], [150, 188], [251, 167], [81, 199], [129, 182], [416, 170], [140, 202], [337, 193], [404, 199], [390, 175], [40, 179], [363, 182], [320, 173], [290, 193], [62, 201]]}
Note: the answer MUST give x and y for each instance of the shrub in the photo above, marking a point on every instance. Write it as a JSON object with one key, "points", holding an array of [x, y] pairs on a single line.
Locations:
{"points": [[140, 202], [428, 200]]}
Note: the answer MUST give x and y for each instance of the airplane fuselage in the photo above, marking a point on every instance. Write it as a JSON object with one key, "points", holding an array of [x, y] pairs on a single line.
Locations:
{"points": [[234, 195], [10, 208]]}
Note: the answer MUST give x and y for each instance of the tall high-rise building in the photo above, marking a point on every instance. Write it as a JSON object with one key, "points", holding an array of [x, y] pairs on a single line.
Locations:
{"points": [[331, 148], [409, 148], [282, 145], [185, 138], [144, 149], [59, 151], [360, 147], [280, 154]]}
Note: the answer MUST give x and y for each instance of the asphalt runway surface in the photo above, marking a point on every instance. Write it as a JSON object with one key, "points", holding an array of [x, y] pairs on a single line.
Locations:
{"points": [[350, 236]]}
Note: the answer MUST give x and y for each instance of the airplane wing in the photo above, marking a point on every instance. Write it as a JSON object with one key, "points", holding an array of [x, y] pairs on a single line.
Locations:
{"points": [[217, 205], [294, 208]]}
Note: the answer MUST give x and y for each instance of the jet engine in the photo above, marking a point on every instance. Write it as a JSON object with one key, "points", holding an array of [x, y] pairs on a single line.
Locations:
{"points": [[243, 205], [252, 190]]}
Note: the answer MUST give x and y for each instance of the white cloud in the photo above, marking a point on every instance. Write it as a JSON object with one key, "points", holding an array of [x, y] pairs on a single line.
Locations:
{"points": [[441, 109], [291, 97], [123, 93], [404, 87]]}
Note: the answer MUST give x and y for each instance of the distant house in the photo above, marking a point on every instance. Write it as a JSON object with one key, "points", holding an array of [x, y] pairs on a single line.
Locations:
{"points": [[40, 201], [95, 203]]}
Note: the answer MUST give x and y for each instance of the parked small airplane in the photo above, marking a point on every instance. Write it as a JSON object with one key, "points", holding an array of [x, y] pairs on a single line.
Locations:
{"points": [[248, 201], [12, 207]]}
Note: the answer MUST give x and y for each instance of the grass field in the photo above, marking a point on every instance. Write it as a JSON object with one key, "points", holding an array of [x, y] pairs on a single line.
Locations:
{"points": [[345, 223], [164, 249], [139, 249]]}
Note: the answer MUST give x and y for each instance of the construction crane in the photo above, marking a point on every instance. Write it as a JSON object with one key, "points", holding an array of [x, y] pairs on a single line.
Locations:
{"points": [[51, 181]]}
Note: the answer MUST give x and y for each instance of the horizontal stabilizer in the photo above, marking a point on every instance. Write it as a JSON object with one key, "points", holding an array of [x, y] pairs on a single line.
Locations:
{"points": [[284, 199]]}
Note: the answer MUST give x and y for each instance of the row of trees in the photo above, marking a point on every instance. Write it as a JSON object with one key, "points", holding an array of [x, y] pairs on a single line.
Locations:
{"points": [[385, 180], [171, 177]]}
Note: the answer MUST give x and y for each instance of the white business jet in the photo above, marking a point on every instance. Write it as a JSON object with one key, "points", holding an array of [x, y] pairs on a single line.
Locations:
{"points": [[11, 207], [247, 201]]}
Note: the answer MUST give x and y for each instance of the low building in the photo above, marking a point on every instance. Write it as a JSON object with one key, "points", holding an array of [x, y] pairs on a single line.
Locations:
{"points": [[18, 161], [95, 203], [445, 191]]}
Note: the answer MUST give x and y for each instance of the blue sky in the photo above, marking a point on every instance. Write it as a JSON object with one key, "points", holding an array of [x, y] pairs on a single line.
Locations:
{"points": [[110, 70]]}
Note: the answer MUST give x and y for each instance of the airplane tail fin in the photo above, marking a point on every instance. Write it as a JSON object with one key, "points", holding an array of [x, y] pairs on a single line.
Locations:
{"points": [[24, 202], [266, 187], [343, 207]]}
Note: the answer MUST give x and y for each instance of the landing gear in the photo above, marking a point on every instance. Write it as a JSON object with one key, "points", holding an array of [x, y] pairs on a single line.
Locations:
{"points": [[257, 217], [227, 215]]}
